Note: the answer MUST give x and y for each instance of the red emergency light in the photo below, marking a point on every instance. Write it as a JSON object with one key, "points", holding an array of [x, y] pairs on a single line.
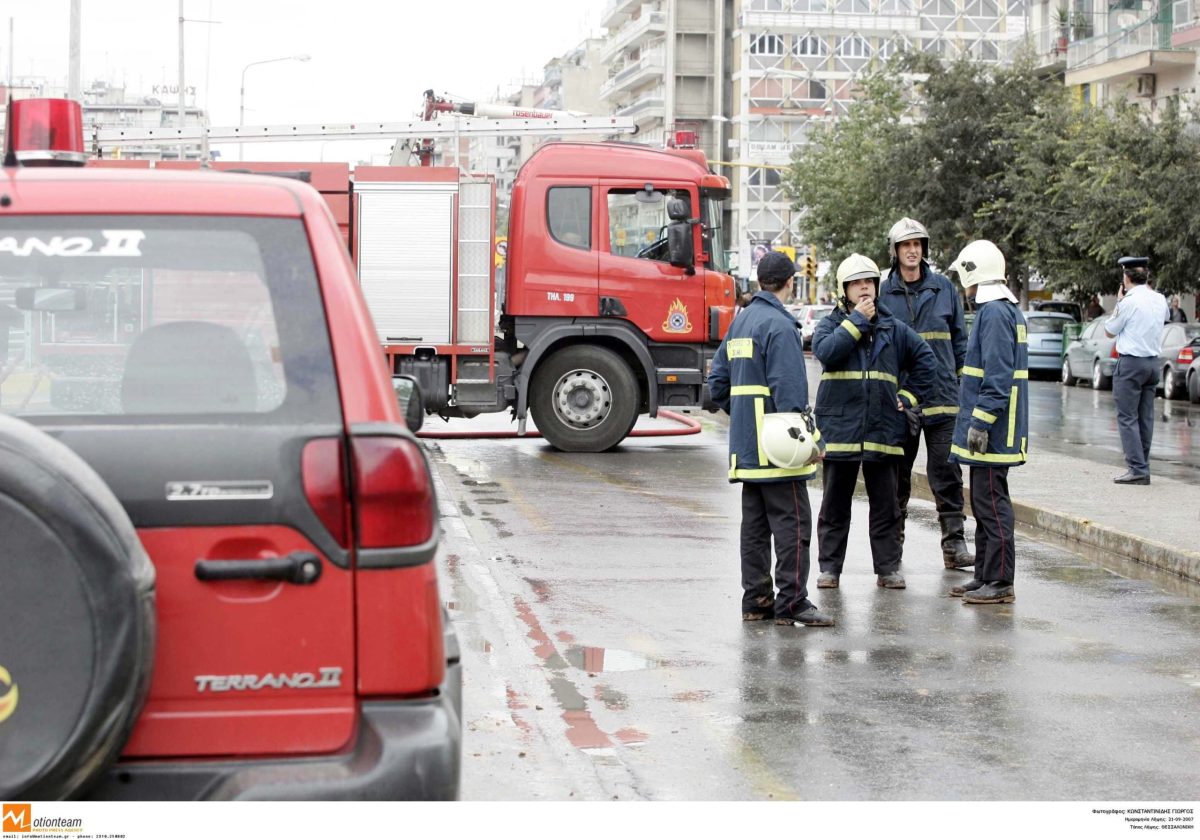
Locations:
{"points": [[45, 132], [682, 140]]}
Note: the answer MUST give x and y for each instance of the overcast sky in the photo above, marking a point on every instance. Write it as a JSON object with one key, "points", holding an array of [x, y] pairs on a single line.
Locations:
{"points": [[369, 60]]}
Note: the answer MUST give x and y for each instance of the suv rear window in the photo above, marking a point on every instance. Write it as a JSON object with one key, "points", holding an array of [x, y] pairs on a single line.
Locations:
{"points": [[170, 316]]}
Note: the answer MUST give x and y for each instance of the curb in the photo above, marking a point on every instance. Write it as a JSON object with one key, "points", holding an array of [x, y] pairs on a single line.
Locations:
{"points": [[1157, 555]]}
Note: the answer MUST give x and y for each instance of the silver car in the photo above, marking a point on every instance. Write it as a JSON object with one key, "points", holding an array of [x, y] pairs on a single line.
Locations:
{"points": [[1092, 356], [1174, 372], [1044, 331], [808, 315]]}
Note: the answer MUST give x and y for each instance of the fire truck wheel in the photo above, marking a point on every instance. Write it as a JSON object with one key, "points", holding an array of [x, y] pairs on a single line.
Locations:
{"points": [[77, 622], [584, 399]]}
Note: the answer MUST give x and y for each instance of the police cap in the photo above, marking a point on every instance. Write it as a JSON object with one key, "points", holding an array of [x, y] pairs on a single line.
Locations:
{"points": [[775, 266], [1130, 263]]}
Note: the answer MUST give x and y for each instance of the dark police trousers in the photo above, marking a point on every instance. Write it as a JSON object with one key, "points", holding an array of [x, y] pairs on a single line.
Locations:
{"points": [[945, 478], [779, 510], [995, 542], [833, 525], [1134, 381]]}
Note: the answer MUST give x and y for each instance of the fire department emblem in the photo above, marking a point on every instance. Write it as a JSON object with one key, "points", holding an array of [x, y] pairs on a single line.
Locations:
{"points": [[677, 318]]}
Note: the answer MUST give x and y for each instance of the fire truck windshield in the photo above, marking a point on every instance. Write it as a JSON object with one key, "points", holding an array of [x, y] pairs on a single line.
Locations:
{"points": [[714, 237]]}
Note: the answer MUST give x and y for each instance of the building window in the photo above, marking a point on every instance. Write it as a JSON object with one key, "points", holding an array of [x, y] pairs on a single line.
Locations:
{"points": [[764, 177], [818, 6], [569, 216], [981, 8], [853, 7], [853, 46], [766, 45], [939, 8], [895, 7], [766, 5], [810, 46]]}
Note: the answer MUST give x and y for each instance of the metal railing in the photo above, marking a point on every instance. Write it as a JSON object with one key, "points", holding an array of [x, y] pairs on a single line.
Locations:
{"points": [[1141, 32]]}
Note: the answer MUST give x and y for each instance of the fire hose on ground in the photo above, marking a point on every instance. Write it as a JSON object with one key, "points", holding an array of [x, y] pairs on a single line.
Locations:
{"points": [[689, 426]]}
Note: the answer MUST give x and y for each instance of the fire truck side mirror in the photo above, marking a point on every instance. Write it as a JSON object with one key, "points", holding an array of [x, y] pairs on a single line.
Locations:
{"points": [[35, 299], [678, 209], [679, 245], [408, 394]]}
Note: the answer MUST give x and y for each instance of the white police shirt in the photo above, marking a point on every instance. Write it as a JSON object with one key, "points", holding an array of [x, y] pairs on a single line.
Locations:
{"points": [[1138, 322]]}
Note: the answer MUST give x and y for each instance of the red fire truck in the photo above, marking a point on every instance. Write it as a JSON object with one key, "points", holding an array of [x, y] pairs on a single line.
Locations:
{"points": [[612, 302]]}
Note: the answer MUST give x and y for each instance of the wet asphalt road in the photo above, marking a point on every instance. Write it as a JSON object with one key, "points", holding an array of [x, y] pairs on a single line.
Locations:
{"points": [[596, 599], [1081, 422]]}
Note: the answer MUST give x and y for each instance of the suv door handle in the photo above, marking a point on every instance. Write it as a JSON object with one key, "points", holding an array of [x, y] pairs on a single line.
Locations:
{"points": [[300, 567]]}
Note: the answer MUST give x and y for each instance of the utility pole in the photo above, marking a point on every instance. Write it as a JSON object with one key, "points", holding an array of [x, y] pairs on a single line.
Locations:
{"points": [[74, 88]]}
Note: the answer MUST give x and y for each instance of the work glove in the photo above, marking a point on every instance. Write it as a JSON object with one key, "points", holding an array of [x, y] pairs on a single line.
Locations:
{"points": [[977, 441], [912, 417]]}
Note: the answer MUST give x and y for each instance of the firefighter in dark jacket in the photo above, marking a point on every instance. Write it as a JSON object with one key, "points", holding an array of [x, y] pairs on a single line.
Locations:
{"points": [[930, 304], [877, 372], [992, 430], [759, 370]]}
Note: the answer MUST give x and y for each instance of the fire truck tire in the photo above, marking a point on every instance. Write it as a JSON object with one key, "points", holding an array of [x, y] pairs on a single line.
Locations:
{"points": [[77, 625], [584, 399]]}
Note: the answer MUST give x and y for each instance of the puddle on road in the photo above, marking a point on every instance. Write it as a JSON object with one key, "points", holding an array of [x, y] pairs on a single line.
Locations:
{"points": [[596, 660], [469, 468]]}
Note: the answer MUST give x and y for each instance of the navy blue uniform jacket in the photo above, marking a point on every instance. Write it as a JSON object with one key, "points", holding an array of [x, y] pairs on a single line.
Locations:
{"points": [[758, 370], [865, 363]]}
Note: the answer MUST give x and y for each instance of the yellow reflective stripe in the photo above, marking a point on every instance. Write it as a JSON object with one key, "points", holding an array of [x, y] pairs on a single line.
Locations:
{"points": [[850, 328], [960, 372], [1022, 335], [929, 411], [935, 336], [1020, 374], [843, 374], [886, 377], [758, 424], [989, 457], [774, 472], [912, 398], [974, 371], [1012, 417], [750, 391], [843, 447], [980, 414], [740, 348], [884, 448]]}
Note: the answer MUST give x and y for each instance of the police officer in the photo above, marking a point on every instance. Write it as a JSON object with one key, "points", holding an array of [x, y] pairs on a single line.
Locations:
{"points": [[1137, 325], [863, 414], [930, 304], [992, 430], [758, 370]]}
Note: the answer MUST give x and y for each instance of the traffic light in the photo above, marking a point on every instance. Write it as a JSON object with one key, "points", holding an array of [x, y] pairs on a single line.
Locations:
{"points": [[808, 267]]}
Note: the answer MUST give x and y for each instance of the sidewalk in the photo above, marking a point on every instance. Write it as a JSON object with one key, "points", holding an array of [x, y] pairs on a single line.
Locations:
{"points": [[1075, 499]]}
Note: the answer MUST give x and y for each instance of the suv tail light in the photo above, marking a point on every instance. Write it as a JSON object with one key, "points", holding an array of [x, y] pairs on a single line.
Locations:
{"points": [[323, 470], [1186, 355], [393, 492]]}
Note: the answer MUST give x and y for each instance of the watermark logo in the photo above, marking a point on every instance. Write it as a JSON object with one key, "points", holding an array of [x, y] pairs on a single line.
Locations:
{"points": [[17, 818]]}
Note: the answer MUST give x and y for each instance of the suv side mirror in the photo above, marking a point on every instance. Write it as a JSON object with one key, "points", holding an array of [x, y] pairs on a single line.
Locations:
{"points": [[408, 394]]}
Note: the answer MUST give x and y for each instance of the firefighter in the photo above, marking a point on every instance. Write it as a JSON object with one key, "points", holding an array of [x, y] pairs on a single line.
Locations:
{"points": [[758, 370], [929, 303], [876, 372], [992, 430]]}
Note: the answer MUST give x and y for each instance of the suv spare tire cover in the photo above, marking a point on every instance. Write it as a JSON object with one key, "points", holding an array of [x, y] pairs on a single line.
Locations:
{"points": [[77, 621]]}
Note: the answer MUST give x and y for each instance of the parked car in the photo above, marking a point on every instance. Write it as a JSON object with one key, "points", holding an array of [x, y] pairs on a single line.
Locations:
{"points": [[219, 527], [1066, 307], [1044, 331], [808, 315], [1193, 371], [1174, 369], [1091, 356]]}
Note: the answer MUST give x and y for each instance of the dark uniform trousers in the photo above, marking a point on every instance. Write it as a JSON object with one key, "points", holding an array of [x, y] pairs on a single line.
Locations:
{"points": [[833, 525], [1133, 391], [945, 478], [995, 542], [778, 509]]}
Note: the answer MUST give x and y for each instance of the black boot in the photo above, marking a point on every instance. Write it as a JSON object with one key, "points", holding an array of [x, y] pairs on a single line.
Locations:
{"points": [[955, 554]]}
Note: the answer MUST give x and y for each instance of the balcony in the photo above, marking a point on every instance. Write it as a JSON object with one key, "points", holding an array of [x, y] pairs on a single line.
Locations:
{"points": [[642, 28], [652, 65], [1139, 43], [617, 12], [649, 103], [799, 23], [1186, 16], [1047, 45]]}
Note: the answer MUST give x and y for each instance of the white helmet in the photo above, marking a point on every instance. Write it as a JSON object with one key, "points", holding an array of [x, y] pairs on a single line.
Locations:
{"points": [[904, 230], [979, 264], [788, 439], [856, 267]]}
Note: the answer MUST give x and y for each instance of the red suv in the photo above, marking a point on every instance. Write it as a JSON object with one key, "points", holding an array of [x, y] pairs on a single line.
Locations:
{"points": [[218, 530]]}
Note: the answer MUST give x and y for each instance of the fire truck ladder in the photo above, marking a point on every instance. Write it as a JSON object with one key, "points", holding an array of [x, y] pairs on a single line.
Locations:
{"points": [[106, 139]]}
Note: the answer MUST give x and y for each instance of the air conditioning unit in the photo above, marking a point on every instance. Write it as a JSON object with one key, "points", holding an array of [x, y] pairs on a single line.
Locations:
{"points": [[1145, 84]]}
